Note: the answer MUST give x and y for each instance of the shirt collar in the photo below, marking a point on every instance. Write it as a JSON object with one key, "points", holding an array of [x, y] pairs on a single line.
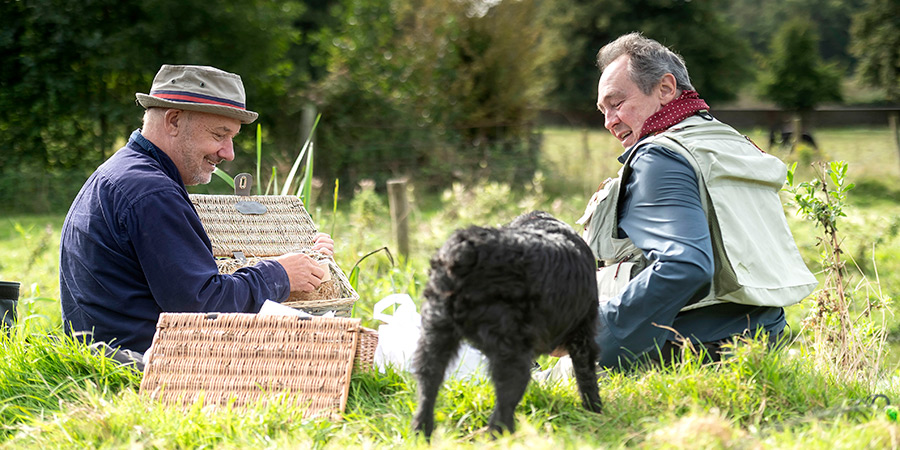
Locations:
{"points": [[139, 143], [624, 156]]}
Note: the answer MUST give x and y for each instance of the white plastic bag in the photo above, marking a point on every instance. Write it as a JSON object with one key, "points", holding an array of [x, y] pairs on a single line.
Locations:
{"points": [[399, 337]]}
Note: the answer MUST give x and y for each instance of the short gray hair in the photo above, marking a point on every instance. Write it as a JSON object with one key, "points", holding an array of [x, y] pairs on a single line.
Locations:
{"points": [[156, 112], [650, 60]]}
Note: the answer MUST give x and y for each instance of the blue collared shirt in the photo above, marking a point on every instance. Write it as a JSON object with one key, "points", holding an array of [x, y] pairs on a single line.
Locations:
{"points": [[132, 246], [662, 214]]}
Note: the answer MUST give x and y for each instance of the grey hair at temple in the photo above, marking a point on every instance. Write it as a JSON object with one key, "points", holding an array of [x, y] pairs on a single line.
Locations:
{"points": [[650, 60]]}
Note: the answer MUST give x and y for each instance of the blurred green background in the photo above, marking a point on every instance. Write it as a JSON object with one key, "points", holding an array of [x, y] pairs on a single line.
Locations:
{"points": [[439, 91]]}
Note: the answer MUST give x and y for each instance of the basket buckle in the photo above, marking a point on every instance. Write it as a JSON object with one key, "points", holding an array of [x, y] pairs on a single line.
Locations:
{"points": [[242, 184]]}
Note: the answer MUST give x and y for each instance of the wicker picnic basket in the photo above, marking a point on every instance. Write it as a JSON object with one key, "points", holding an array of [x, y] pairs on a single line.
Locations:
{"points": [[238, 359], [274, 225]]}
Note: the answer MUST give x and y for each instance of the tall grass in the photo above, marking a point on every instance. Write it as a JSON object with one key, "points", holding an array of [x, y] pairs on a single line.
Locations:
{"points": [[40, 372], [756, 397]]}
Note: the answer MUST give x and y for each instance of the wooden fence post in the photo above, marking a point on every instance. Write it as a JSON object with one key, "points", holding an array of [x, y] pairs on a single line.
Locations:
{"points": [[399, 214]]}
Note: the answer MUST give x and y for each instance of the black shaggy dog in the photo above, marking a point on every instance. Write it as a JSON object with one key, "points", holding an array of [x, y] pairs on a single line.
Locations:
{"points": [[514, 293]]}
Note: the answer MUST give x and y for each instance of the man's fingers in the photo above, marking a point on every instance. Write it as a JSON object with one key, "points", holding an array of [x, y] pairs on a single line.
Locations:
{"points": [[318, 272], [304, 272], [323, 249], [324, 244]]}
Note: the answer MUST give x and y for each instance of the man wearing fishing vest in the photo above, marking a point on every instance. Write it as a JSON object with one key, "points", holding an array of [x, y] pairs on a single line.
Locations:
{"points": [[691, 236]]}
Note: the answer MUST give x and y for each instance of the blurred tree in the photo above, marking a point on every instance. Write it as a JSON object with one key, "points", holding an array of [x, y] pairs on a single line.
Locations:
{"points": [[440, 89], [507, 53], [253, 38], [62, 67], [374, 103], [716, 58], [794, 75], [758, 21], [876, 42], [70, 70]]}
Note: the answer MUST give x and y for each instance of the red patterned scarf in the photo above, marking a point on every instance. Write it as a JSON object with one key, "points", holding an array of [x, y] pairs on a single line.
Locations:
{"points": [[686, 105]]}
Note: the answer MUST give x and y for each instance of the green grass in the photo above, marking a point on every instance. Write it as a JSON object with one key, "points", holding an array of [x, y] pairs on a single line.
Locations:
{"points": [[29, 254], [55, 393], [756, 397]]}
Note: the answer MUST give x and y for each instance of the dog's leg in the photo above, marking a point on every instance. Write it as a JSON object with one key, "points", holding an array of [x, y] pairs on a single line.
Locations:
{"points": [[437, 345], [583, 351], [510, 374]]}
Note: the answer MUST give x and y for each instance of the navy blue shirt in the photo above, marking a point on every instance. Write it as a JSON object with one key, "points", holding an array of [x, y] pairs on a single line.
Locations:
{"points": [[132, 246], [662, 214]]}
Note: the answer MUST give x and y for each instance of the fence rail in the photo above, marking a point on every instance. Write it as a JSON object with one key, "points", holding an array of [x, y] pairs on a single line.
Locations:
{"points": [[769, 118]]}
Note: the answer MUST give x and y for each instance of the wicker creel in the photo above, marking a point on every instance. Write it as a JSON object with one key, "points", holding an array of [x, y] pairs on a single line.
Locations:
{"points": [[365, 348], [237, 359], [283, 226], [335, 294]]}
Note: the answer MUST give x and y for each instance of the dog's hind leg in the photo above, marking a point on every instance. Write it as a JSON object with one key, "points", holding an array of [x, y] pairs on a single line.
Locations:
{"points": [[438, 343], [510, 374], [583, 351]]}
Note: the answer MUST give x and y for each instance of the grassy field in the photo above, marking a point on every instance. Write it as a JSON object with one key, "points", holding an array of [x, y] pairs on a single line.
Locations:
{"points": [[55, 393]]}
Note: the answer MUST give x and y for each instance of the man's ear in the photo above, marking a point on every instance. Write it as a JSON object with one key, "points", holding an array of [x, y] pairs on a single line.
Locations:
{"points": [[174, 120], [667, 89]]}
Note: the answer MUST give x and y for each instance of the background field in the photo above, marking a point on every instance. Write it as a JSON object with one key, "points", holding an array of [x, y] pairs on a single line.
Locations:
{"points": [[57, 394]]}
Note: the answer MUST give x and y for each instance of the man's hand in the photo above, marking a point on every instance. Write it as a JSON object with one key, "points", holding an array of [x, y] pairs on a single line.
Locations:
{"points": [[304, 272], [324, 244]]}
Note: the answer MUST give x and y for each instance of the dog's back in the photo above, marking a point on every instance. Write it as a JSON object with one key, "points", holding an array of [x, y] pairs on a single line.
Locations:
{"points": [[514, 292], [533, 278]]}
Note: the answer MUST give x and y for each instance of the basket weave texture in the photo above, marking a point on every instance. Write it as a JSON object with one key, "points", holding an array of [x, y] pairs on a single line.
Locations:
{"points": [[238, 359], [365, 348], [285, 227]]}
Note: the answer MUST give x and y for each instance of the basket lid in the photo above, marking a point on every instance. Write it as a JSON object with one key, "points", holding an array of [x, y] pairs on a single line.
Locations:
{"points": [[285, 225], [234, 358]]}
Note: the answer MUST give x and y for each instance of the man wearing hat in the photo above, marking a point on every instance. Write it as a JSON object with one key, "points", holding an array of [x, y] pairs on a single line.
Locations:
{"points": [[132, 245]]}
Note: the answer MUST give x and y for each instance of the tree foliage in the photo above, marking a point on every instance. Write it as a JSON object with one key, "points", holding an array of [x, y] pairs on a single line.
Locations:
{"points": [[716, 57], [794, 76], [70, 70], [876, 43], [438, 88], [758, 21], [443, 89]]}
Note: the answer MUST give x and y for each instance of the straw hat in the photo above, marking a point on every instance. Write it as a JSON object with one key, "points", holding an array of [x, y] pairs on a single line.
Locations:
{"points": [[199, 88]]}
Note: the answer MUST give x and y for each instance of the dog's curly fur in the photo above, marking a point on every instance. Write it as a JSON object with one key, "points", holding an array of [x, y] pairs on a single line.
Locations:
{"points": [[514, 293]]}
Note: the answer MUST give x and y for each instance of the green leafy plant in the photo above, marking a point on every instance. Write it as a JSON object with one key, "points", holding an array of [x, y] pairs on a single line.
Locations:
{"points": [[306, 182], [36, 250], [337, 186], [842, 344], [259, 160]]}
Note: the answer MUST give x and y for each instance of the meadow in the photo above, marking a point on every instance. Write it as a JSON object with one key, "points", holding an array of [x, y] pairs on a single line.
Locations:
{"points": [[55, 393]]}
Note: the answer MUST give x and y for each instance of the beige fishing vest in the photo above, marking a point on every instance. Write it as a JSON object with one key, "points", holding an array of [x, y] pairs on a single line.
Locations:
{"points": [[756, 259]]}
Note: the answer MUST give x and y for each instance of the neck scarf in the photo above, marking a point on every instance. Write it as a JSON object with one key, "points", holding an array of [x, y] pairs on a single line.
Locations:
{"points": [[686, 105]]}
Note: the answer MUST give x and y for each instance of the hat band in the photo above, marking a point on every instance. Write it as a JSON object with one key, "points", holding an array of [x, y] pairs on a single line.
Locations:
{"points": [[190, 97]]}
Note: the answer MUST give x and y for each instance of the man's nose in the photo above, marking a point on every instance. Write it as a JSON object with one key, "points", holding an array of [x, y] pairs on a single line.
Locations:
{"points": [[610, 120], [227, 150]]}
